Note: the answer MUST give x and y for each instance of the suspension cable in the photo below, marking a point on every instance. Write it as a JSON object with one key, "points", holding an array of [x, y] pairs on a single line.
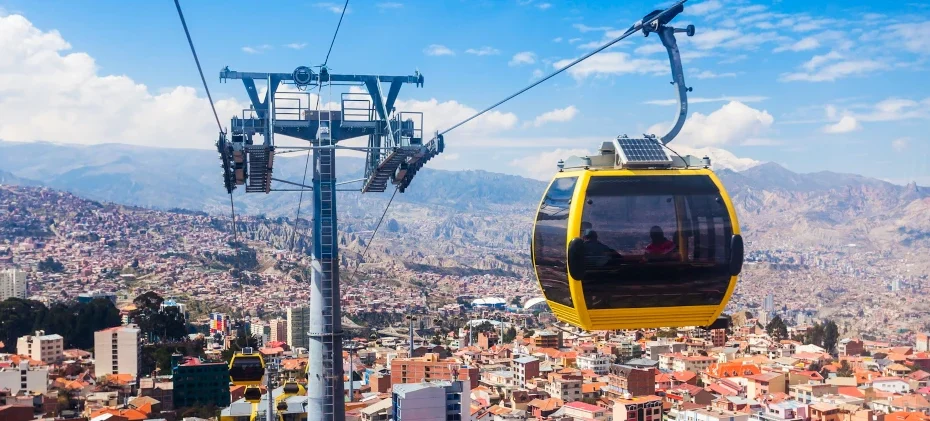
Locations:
{"points": [[344, 7], [633, 29], [235, 230], [199, 69], [374, 233], [219, 126]]}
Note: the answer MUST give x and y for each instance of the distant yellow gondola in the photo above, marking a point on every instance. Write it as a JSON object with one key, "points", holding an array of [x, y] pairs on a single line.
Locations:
{"points": [[246, 368]]}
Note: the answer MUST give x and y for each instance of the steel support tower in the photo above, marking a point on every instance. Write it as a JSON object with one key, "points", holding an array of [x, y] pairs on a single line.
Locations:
{"points": [[395, 152]]}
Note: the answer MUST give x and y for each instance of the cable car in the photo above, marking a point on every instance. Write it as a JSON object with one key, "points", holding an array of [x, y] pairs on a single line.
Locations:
{"points": [[246, 368], [635, 237]]}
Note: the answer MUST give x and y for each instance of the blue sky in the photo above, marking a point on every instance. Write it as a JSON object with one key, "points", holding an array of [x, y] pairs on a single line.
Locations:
{"points": [[814, 86]]}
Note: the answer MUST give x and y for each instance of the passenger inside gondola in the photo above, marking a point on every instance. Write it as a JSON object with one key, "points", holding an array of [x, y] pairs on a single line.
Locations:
{"points": [[661, 248], [597, 254]]}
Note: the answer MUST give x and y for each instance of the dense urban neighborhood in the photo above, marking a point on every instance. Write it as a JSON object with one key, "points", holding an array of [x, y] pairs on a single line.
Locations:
{"points": [[122, 313]]}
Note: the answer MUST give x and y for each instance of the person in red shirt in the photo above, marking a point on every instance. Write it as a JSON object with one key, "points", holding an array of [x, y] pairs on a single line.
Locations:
{"points": [[660, 248]]}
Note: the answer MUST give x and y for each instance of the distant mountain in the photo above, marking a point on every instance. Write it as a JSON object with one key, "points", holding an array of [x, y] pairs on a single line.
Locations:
{"points": [[189, 178], [463, 206], [10, 179]]}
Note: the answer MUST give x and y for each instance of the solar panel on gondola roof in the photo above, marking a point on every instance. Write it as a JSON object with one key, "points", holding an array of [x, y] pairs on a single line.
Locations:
{"points": [[642, 150]]}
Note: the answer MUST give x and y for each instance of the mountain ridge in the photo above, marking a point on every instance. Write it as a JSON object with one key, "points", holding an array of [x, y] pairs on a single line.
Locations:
{"points": [[134, 175]]}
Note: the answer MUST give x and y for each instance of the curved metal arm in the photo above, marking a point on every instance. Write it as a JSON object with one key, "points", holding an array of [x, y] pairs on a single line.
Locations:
{"points": [[667, 35]]}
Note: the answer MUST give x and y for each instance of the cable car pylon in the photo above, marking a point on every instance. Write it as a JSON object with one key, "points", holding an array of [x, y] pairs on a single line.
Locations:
{"points": [[395, 150]]}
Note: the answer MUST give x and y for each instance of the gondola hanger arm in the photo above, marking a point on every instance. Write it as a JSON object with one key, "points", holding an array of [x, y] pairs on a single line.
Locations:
{"points": [[666, 34]]}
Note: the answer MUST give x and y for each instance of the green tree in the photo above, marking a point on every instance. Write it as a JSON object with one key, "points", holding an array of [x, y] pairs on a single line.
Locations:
{"points": [[51, 265], [75, 322], [831, 336], [667, 333], [18, 317], [845, 370], [157, 323], [815, 335], [485, 326], [509, 335], [777, 328]]}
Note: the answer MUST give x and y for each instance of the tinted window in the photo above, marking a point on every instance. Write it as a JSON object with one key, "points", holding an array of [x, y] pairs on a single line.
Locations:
{"points": [[549, 241], [246, 369], [657, 241]]}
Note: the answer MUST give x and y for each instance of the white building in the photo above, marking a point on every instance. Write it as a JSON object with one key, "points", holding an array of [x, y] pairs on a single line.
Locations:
{"points": [[431, 401], [12, 284], [712, 415], [116, 350], [262, 331], [298, 324], [41, 347], [24, 379], [892, 385], [182, 308], [596, 362], [693, 363]]}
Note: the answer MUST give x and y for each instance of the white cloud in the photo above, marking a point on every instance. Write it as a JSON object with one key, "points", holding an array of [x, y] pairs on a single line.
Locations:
{"points": [[704, 7], [733, 123], [846, 124], [523, 57], [652, 48], [556, 115], [761, 141], [818, 60], [574, 40], [542, 166], [613, 63], [256, 49], [804, 44], [812, 24], [537, 73], [913, 37], [442, 115], [49, 93], [901, 144], [891, 109], [557, 39], [332, 7], [832, 66], [733, 58], [296, 46], [389, 5], [483, 51], [438, 50], [699, 100], [894, 109], [707, 74], [756, 8], [719, 158], [585, 28], [713, 38], [543, 6]]}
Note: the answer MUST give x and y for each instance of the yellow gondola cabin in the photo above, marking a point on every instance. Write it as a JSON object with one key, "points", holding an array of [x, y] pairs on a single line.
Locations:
{"points": [[636, 240]]}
